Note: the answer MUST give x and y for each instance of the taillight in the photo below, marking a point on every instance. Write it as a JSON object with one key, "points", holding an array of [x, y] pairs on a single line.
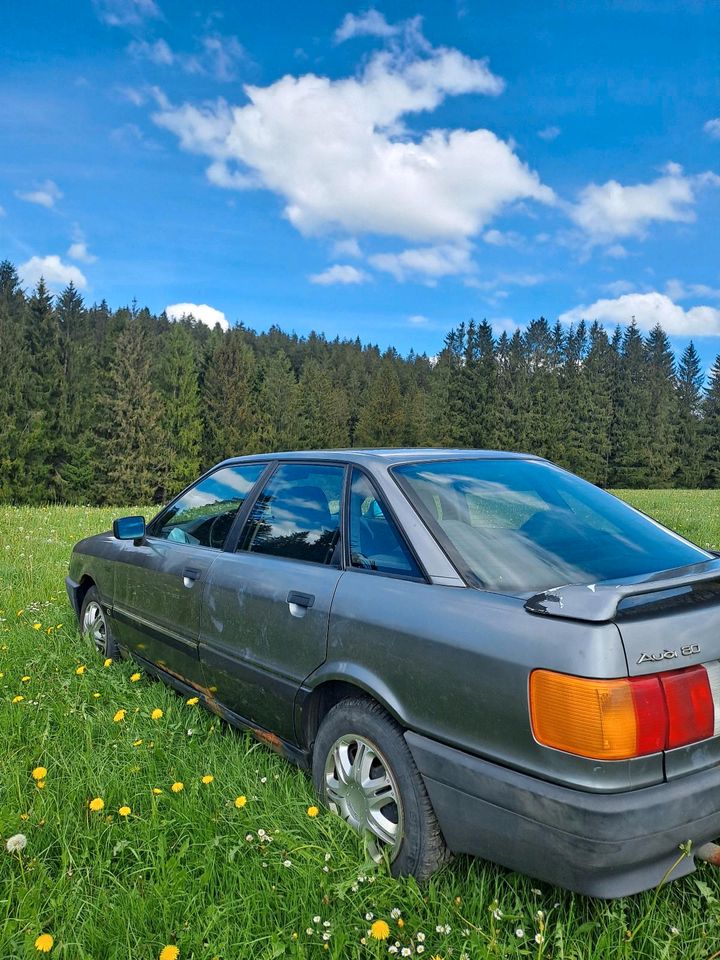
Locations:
{"points": [[631, 717]]}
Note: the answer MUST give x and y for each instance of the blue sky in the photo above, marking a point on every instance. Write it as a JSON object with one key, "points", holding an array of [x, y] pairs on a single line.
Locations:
{"points": [[381, 171]]}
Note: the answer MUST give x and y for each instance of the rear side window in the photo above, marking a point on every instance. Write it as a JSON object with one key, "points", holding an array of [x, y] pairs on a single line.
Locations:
{"points": [[297, 514], [203, 515], [375, 542]]}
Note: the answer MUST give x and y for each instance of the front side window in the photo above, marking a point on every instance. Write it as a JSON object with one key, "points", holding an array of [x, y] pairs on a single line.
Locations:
{"points": [[297, 514], [203, 515], [375, 543], [520, 526]]}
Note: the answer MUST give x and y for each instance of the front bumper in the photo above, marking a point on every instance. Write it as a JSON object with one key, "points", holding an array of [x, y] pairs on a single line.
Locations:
{"points": [[603, 845]]}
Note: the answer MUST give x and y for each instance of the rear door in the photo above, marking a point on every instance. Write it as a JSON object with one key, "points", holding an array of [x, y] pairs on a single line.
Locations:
{"points": [[267, 603], [159, 583]]}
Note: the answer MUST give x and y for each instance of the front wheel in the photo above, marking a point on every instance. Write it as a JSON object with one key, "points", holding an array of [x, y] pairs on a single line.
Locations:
{"points": [[94, 625], [364, 771]]}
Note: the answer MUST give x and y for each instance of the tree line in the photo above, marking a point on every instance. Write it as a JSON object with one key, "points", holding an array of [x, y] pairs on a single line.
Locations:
{"points": [[122, 406]]}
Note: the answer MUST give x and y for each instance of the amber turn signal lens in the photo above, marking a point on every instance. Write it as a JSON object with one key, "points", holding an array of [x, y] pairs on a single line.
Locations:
{"points": [[601, 719]]}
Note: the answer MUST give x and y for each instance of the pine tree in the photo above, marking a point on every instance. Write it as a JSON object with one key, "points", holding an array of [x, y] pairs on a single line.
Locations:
{"points": [[277, 425], [688, 425], [14, 361], [381, 419], [230, 392], [322, 410], [182, 421], [630, 432], [711, 428], [660, 462]]}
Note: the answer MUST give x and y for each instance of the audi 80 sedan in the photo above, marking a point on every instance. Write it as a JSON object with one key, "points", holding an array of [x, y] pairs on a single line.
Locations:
{"points": [[471, 651]]}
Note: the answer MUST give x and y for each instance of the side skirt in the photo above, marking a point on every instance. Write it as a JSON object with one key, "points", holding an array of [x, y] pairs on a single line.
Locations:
{"points": [[295, 754]]}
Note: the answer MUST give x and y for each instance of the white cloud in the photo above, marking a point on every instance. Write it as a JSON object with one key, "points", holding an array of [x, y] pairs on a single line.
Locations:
{"points": [[158, 52], [45, 195], [498, 238], [200, 311], [368, 24], [2, 211], [677, 290], [79, 251], [427, 263], [418, 320], [338, 153], [712, 128], [617, 287], [219, 56], [649, 309], [57, 275], [347, 248], [339, 273], [612, 210], [549, 133], [126, 13]]}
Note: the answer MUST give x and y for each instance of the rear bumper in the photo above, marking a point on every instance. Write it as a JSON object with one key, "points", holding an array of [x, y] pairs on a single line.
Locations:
{"points": [[73, 592], [603, 845]]}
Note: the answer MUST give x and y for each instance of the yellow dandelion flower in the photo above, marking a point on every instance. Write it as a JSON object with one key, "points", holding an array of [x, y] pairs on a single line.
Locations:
{"points": [[24, 679], [135, 677], [107, 662], [37, 626], [44, 943], [208, 778], [39, 773], [40, 784], [57, 626], [240, 802], [125, 811], [1, 674], [49, 630], [24, 816], [177, 786], [400, 922], [380, 930], [136, 743], [80, 670], [96, 695], [313, 811], [157, 791], [170, 952], [20, 613], [120, 715], [156, 714], [97, 804], [17, 699], [192, 701]]}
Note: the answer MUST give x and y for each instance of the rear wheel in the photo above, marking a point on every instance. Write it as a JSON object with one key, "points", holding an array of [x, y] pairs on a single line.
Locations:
{"points": [[364, 771], [94, 625]]}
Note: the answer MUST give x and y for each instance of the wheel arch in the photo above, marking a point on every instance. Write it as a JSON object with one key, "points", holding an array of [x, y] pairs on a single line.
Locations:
{"points": [[332, 686]]}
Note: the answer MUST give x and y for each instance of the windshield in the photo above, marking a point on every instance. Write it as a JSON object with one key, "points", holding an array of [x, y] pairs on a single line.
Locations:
{"points": [[518, 526]]}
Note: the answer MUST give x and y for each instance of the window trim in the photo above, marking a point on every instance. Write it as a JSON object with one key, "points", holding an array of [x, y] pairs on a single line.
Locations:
{"points": [[390, 512], [233, 539], [157, 519]]}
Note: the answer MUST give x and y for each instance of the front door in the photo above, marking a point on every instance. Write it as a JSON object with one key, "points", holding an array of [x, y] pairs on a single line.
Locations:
{"points": [[265, 617], [159, 583]]}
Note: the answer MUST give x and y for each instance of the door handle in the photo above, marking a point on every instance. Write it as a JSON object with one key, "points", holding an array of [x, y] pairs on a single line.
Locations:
{"points": [[190, 575], [301, 599]]}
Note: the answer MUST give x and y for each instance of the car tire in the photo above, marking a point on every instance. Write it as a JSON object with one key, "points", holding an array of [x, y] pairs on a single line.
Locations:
{"points": [[359, 743], [94, 625]]}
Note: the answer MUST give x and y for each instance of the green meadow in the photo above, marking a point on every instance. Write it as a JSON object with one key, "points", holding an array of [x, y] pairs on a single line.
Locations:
{"points": [[231, 865]]}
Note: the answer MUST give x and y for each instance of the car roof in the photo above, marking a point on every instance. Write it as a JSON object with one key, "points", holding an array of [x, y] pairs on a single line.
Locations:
{"points": [[388, 456]]}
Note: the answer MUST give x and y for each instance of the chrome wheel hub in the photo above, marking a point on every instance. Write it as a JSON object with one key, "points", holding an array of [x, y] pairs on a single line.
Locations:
{"points": [[94, 626], [361, 789]]}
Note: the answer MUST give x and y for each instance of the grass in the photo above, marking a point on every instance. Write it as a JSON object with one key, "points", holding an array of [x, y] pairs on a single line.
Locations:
{"points": [[191, 868]]}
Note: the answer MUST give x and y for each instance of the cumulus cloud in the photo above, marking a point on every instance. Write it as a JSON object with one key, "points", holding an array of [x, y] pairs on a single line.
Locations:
{"points": [[200, 311], [158, 52], [126, 13], [57, 275], [45, 195], [218, 57], [347, 248], [427, 263], [339, 273], [649, 309], [612, 210], [712, 128], [368, 24], [338, 153], [677, 290]]}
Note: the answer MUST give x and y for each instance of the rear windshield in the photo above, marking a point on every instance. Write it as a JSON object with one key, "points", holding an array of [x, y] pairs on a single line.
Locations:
{"points": [[519, 526]]}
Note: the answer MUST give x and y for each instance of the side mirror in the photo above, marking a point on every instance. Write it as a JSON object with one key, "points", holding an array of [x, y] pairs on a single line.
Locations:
{"points": [[129, 528]]}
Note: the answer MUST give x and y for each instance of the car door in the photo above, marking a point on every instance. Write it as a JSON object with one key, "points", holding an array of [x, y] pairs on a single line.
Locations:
{"points": [[267, 603], [159, 582]]}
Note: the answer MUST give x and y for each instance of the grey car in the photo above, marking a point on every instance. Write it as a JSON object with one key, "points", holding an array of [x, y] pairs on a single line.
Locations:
{"points": [[471, 651]]}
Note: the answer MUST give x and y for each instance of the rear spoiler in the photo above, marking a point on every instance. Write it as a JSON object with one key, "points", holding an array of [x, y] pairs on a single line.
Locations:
{"points": [[598, 602]]}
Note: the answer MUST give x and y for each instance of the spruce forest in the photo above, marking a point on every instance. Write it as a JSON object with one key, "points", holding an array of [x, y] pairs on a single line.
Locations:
{"points": [[101, 406]]}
